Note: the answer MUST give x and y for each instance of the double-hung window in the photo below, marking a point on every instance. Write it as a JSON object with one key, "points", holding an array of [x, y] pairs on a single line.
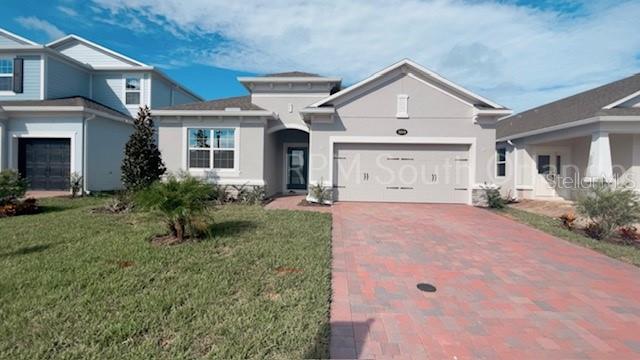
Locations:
{"points": [[501, 162], [6, 74], [132, 91], [212, 148]]}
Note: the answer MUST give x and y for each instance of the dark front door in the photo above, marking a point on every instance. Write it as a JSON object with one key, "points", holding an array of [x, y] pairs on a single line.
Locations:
{"points": [[45, 163], [297, 168]]}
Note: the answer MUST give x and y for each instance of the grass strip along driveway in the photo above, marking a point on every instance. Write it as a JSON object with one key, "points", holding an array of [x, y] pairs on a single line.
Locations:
{"points": [[83, 285], [552, 226]]}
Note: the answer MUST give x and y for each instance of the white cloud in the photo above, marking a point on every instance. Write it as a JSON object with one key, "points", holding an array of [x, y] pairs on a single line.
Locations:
{"points": [[67, 11], [34, 23], [515, 55]]}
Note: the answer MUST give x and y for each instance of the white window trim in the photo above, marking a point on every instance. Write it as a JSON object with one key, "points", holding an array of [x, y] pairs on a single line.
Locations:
{"points": [[125, 91], [498, 162], [8, 92], [201, 171]]}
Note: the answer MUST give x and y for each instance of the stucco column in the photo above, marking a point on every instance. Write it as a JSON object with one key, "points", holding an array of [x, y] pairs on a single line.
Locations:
{"points": [[600, 166], [3, 152], [635, 161]]}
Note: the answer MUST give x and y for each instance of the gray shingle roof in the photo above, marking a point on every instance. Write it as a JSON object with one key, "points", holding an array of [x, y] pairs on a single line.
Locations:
{"points": [[69, 101], [581, 106], [241, 102], [292, 74]]}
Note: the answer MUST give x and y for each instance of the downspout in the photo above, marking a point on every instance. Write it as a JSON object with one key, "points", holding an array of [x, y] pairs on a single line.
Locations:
{"points": [[84, 152]]}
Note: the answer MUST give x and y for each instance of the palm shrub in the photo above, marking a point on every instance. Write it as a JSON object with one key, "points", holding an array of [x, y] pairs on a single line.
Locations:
{"points": [[180, 201], [609, 207], [320, 193]]}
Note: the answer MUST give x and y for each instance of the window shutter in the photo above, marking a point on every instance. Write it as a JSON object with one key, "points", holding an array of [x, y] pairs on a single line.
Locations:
{"points": [[18, 74], [403, 106]]}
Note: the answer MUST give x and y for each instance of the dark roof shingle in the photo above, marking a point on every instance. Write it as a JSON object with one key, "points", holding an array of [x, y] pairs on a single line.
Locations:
{"points": [[577, 107], [69, 101], [241, 102]]}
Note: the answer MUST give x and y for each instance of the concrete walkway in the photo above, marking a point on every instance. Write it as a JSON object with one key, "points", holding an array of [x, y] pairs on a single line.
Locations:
{"points": [[504, 290]]}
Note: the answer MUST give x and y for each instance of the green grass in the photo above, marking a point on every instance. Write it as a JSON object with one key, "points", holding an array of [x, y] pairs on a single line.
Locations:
{"points": [[79, 285], [627, 253]]}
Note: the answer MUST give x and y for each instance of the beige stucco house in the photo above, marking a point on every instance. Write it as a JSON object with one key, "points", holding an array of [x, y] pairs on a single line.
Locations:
{"points": [[402, 134], [557, 150]]}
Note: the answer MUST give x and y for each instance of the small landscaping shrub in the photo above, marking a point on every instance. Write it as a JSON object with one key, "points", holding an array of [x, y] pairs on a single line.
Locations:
{"points": [[595, 231], [320, 193], [179, 201], [609, 207], [568, 220], [12, 189], [219, 193], [75, 182], [254, 195], [12, 185], [12, 206], [629, 234], [245, 194], [122, 202], [493, 196]]}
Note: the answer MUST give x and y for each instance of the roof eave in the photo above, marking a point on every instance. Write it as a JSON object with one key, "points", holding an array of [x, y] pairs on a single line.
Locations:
{"points": [[17, 37], [278, 79], [235, 113], [97, 46], [397, 65], [71, 108]]}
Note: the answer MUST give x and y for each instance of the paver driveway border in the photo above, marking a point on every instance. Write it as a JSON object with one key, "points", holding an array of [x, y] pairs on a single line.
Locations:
{"points": [[504, 290]]}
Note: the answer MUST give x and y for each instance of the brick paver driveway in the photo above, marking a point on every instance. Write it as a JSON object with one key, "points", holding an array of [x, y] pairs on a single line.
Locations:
{"points": [[503, 289]]}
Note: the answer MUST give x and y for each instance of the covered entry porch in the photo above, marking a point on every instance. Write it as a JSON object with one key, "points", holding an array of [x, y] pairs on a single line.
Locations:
{"points": [[286, 159], [562, 166]]}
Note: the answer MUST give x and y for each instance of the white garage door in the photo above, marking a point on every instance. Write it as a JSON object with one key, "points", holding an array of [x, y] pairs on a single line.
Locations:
{"points": [[401, 172]]}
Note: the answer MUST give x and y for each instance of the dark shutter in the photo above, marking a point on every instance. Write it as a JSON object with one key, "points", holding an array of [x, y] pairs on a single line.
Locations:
{"points": [[18, 74]]}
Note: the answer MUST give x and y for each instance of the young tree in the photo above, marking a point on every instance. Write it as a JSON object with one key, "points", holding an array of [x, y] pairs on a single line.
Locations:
{"points": [[142, 164]]}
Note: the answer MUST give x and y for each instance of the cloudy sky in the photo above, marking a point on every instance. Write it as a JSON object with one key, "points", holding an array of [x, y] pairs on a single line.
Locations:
{"points": [[520, 53]]}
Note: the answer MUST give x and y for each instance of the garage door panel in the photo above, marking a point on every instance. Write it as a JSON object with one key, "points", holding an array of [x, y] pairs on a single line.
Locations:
{"points": [[401, 172], [45, 163]]}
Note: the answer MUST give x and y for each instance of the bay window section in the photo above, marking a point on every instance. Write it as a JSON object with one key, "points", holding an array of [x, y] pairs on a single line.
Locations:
{"points": [[211, 148]]}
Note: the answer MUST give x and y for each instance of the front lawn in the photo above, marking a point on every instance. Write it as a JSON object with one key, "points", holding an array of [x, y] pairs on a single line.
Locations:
{"points": [[74, 284], [627, 253]]}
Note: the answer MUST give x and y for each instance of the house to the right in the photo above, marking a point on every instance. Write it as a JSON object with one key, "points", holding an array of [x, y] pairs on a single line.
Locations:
{"points": [[558, 150]]}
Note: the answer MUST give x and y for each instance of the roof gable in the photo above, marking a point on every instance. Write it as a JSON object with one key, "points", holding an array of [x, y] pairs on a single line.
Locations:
{"points": [[10, 39], [419, 72], [91, 53], [603, 100]]}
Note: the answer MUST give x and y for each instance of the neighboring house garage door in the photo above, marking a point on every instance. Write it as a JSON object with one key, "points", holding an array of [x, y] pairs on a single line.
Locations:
{"points": [[401, 172], [46, 163]]}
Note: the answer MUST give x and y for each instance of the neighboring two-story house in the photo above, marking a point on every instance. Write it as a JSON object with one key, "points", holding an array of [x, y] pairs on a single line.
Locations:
{"points": [[66, 107]]}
